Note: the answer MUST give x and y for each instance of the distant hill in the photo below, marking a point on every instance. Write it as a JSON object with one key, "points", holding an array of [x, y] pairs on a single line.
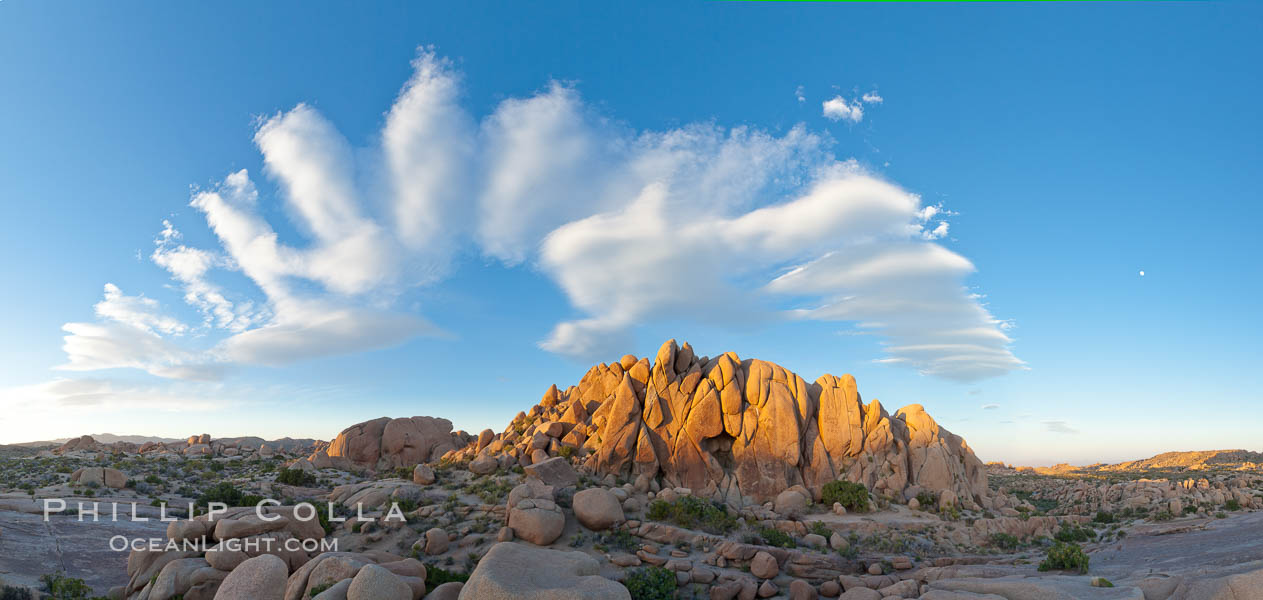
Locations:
{"points": [[16, 451], [104, 438], [1192, 460], [285, 444]]}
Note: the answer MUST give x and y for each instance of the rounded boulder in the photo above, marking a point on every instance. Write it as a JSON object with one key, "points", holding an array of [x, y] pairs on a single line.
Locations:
{"points": [[597, 509], [376, 583], [260, 578]]}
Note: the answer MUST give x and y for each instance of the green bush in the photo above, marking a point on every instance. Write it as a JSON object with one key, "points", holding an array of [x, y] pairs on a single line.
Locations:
{"points": [[60, 587], [1004, 541], [926, 499], [1232, 504], [776, 537], [316, 590], [436, 576], [14, 593], [491, 490], [820, 529], [1065, 556], [694, 513], [406, 505], [652, 583], [1104, 517], [1072, 533], [295, 477], [619, 539], [853, 496], [228, 494]]}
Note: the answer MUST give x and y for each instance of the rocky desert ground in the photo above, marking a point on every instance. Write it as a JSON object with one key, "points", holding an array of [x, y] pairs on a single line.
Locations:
{"points": [[673, 476]]}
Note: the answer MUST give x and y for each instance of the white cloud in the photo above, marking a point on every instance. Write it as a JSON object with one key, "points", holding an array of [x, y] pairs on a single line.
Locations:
{"points": [[872, 98], [838, 108], [61, 394], [312, 329], [990, 406], [190, 266], [137, 312], [429, 145], [545, 161], [798, 93], [697, 223], [1059, 427]]}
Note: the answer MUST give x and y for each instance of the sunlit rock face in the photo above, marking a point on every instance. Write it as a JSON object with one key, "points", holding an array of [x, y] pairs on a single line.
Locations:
{"points": [[737, 430]]}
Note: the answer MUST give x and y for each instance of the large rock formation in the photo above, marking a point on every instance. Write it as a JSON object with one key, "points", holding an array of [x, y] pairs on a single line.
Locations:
{"points": [[735, 430], [386, 443]]}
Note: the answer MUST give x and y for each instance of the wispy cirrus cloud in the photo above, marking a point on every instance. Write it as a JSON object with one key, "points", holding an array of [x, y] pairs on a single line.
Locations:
{"points": [[1057, 426], [697, 223]]}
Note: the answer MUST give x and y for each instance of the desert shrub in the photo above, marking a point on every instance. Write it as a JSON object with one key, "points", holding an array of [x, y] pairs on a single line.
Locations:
{"points": [[9, 592], [406, 505], [853, 496], [491, 490], [1042, 505], [926, 499], [776, 537], [322, 515], [1232, 504], [820, 529], [1221, 515], [1104, 517], [652, 583], [224, 492], [316, 590], [1065, 556], [60, 587], [1072, 533], [1004, 541], [1162, 515], [436, 576], [295, 477], [620, 539], [565, 452], [694, 513]]}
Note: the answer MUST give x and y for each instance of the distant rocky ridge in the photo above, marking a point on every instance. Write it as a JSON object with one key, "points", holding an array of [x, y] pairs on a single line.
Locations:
{"points": [[1195, 460], [104, 438], [196, 445], [740, 431]]}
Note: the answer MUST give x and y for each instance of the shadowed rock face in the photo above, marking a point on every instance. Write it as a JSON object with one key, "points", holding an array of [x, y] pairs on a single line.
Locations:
{"points": [[742, 430]]}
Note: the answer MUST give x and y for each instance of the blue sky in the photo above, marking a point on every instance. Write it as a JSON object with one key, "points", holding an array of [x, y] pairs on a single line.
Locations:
{"points": [[489, 198]]}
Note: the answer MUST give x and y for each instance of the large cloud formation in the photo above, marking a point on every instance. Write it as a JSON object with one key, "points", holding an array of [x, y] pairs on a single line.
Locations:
{"points": [[699, 223]]}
